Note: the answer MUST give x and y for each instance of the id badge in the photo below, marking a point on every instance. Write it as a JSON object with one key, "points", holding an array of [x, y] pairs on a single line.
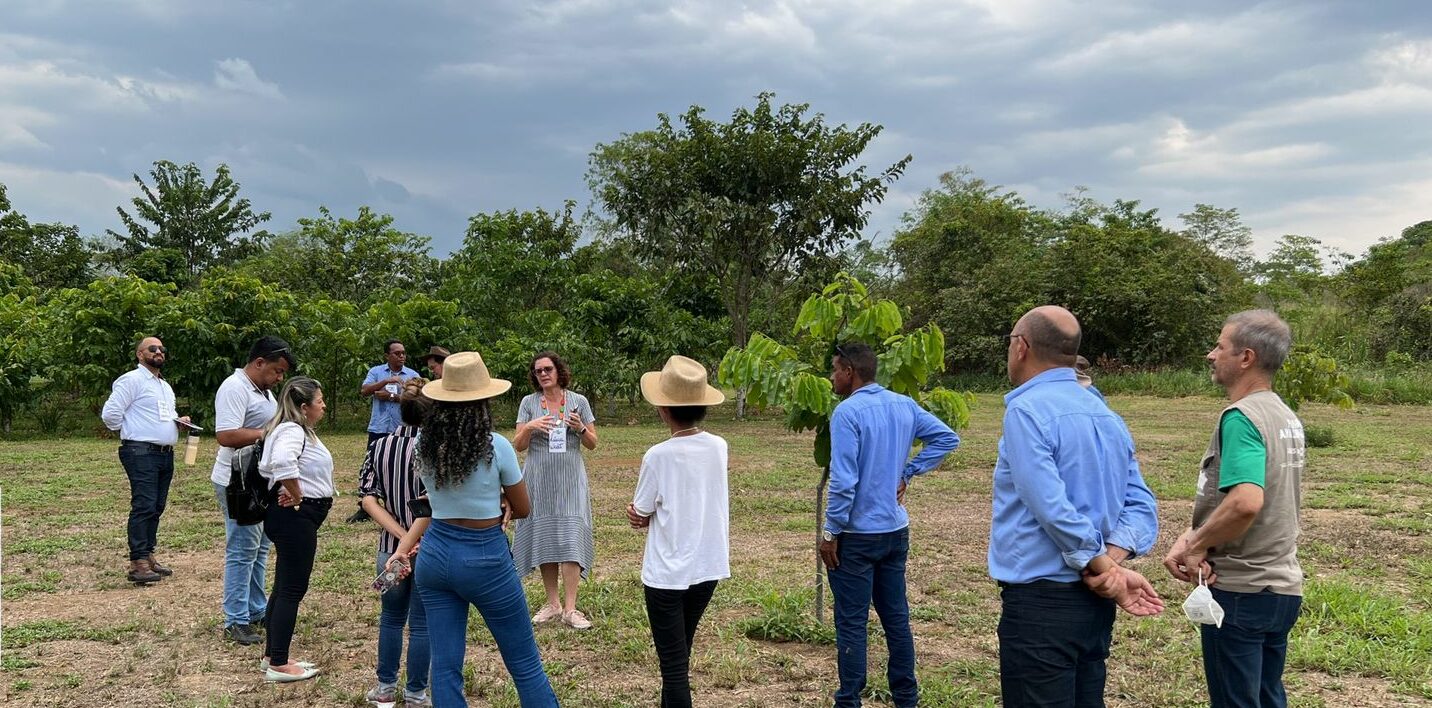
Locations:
{"points": [[166, 410], [557, 439]]}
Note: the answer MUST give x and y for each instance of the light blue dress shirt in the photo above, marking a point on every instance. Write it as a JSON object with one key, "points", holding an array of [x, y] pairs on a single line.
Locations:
{"points": [[385, 416], [871, 434], [141, 407], [1066, 483]]}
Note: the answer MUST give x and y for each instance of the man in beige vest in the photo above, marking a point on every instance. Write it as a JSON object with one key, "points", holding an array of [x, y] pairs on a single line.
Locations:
{"points": [[1245, 518]]}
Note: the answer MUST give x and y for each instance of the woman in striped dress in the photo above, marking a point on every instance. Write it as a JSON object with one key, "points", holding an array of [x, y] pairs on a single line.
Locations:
{"points": [[553, 425]]}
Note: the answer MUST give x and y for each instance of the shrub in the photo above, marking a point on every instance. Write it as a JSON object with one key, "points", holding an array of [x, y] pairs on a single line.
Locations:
{"points": [[1319, 436], [783, 618]]}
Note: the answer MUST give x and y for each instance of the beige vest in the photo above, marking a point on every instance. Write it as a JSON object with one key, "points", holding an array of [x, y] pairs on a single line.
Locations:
{"points": [[1267, 555]]}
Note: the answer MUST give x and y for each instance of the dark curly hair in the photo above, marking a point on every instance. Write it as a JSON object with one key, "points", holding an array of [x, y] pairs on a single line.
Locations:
{"points": [[564, 374], [456, 439]]}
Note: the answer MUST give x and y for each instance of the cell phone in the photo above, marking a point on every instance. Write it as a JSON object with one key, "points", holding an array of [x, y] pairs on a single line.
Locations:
{"points": [[187, 425], [421, 508]]}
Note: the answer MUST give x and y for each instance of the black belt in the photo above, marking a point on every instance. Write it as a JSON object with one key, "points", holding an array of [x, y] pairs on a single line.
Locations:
{"points": [[1042, 584], [321, 502], [151, 447]]}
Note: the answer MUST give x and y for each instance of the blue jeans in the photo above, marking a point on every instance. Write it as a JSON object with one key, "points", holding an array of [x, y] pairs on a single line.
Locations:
{"points": [[1053, 640], [872, 570], [1244, 658], [149, 472], [245, 562], [402, 606], [457, 567]]}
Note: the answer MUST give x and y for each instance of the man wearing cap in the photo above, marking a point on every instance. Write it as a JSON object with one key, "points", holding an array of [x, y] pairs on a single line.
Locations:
{"points": [[434, 361], [141, 408], [1245, 517], [384, 382], [865, 539], [1069, 506], [242, 406]]}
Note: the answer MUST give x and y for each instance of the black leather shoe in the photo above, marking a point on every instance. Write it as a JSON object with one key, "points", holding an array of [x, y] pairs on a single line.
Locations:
{"points": [[241, 634]]}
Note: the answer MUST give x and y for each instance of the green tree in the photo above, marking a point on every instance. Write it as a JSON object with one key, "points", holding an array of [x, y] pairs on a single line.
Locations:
{"points": [[21, 359], [50, 255], [748, 202], [1222, 231], [510, 263], [1311, 375], [1294, 270], [206, 222], [796, 377], [329, 347]]}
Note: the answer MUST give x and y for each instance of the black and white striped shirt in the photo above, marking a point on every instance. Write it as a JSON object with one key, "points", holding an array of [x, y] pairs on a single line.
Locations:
{"points": [[388, 474]]}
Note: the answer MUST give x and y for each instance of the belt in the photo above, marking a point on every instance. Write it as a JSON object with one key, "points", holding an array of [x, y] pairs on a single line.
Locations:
{"points": [[147, 446], [1042, 584], [322, 502]]}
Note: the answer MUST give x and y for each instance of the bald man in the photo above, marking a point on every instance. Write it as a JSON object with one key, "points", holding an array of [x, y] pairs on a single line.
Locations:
{"points": [[1069, 506], [141, 409]]}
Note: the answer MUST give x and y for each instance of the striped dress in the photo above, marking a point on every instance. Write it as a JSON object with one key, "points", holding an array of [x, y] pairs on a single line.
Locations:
{"points": [[559, 529]]}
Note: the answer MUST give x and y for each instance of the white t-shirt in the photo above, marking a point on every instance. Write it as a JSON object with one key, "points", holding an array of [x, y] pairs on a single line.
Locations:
{"points": [[238, 404], [289, 453], [683, 489]]}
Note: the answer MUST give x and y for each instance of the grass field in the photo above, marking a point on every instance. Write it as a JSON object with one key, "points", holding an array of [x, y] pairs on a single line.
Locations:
{"points": [[76, 634]]}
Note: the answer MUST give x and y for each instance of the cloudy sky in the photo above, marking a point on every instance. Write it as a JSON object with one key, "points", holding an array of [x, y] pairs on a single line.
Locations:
{"points": [[1309, 116]]}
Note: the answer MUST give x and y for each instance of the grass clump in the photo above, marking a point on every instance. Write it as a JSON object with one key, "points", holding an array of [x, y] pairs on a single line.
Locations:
{"points": [[786, 617]]}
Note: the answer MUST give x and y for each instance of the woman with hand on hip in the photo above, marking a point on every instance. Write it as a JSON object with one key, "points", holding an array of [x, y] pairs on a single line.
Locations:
{"points": [[465, 559], [553, 424], [300, 469]]}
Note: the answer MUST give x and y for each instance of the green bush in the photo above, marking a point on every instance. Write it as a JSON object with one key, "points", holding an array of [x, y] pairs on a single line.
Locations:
{"points": [[1319, 435], [784, 618]]}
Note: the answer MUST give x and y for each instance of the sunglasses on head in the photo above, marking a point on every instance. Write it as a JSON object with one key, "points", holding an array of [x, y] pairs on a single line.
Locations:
{"points": [[156, 349]]}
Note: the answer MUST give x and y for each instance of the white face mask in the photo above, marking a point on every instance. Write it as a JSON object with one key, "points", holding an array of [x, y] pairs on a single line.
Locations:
{"points": [[1201, 608]]}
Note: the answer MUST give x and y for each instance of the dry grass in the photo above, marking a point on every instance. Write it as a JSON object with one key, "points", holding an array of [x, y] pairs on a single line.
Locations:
{"points": [[76, 634]]}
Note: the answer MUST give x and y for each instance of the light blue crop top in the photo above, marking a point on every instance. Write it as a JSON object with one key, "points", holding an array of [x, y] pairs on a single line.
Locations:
{"points": [[480, 495]]}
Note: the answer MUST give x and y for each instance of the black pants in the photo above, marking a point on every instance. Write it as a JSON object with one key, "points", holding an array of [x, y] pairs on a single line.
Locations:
{"points": [[674, 615], [1053, 640], [294, 533], [150, 469]]}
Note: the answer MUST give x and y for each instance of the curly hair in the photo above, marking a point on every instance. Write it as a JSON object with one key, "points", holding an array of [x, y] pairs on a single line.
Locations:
{"points": [[564, 373], [456, 439]]}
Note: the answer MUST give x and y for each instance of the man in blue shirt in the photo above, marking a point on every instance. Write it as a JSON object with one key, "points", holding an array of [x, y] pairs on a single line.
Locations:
{"points": [[866, 537], [384, 382], [1069, 506]]}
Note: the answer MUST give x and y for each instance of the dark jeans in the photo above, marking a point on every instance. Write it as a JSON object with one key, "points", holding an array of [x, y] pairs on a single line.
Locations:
{"points": [[294, 533], [673, 615], [150, 472], [872, 570], [1053, 640], [1244, 658]]}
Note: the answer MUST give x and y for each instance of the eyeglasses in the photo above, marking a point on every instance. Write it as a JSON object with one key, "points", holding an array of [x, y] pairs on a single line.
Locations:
{"points": [[544, 370], [1006, 338], [155, 349]]}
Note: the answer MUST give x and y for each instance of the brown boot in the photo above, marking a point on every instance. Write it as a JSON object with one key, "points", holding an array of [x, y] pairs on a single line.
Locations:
{"points": [[140, 572], [160, 569]]}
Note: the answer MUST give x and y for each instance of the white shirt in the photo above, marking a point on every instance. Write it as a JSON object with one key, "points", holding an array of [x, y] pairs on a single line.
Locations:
{"points": [[238, 404], [682, 488], [290, 453], [141, 407]]}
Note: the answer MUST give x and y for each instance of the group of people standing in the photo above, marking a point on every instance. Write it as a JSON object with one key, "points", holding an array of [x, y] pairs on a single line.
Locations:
{"points": [[1070, 507]]}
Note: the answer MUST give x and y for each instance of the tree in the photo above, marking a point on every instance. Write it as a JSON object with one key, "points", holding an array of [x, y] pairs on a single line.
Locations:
{"points": [[356, 260], [207, 223], [748, 202], [50, 255], [511, 263], [1294, 270], [21, 367], [796, 377], [1222, 231]]}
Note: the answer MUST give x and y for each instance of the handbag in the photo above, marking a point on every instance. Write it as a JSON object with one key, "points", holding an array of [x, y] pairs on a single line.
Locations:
{"points": [[249, 494]]}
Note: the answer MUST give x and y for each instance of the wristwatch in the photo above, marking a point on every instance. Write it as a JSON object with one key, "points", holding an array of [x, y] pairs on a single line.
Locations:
{"points": [[827, 536]]}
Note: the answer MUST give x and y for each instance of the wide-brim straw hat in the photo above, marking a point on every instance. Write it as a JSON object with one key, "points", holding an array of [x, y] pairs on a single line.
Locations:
{"points": [[681, 382], [465, 378]]}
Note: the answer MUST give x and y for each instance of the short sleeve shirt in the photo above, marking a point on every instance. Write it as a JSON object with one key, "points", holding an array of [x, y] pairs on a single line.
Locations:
{"points": [[238, 404]]}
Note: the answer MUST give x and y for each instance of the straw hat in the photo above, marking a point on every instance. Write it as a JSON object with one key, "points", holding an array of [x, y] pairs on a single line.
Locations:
{"points": [[682, 382], [465, 378]]}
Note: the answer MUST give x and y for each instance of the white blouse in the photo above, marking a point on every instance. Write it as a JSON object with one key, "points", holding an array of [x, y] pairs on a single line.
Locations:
{"points": [[290, 453]]}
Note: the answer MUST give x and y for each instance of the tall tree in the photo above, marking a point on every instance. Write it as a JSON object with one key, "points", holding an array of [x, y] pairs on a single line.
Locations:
{"points": [[206, 223], [50, 255], [1222, 231], [748, 201]]}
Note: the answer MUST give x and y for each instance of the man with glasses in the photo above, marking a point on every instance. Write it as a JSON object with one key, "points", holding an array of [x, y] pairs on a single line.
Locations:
{"points": [[141, 408], [242, 406], [866, 536], [384, 383], [1069, 506], [434, 361]]}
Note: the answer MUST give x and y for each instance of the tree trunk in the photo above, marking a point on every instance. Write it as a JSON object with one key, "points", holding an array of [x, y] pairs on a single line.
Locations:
{"points": [[819, 566]]}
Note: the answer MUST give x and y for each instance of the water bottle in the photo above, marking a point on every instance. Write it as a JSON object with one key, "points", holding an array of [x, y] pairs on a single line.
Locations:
{"points": [[191, 449]]}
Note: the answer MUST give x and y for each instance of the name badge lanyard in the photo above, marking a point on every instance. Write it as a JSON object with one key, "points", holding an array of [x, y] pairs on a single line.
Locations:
{"points": [[557, 436]]}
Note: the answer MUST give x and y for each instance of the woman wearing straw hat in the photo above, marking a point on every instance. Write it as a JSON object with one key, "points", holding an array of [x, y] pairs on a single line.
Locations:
{"points": [[681, 499], [553, 425], [467, 469]]}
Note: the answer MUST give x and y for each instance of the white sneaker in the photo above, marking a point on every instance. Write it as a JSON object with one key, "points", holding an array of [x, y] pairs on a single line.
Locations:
{"points": [[576, 620], [546, 614]]}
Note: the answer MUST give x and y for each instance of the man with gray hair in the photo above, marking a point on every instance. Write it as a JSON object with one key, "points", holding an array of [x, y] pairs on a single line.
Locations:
{"points": [[1245, 517]]}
